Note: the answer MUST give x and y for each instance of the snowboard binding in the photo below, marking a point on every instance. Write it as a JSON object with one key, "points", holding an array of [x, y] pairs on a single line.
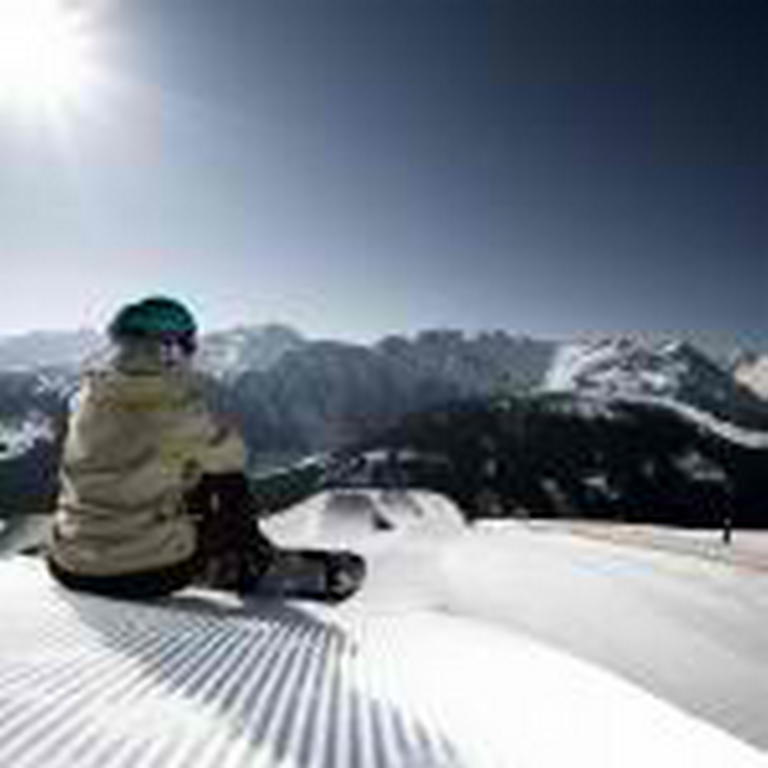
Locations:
{"points": [[330, 576]]}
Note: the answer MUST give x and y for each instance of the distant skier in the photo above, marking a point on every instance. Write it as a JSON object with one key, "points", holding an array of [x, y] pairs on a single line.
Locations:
{"points": [[153, 492]]}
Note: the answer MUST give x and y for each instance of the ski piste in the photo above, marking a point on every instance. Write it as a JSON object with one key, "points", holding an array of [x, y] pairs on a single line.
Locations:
{"points": [[390, 678]]}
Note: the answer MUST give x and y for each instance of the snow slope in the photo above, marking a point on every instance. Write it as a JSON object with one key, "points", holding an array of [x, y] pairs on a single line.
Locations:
{"points": [[425, 667]]}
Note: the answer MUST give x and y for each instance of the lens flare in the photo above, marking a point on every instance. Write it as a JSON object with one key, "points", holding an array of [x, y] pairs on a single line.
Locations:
{"points": [[46, 55]]}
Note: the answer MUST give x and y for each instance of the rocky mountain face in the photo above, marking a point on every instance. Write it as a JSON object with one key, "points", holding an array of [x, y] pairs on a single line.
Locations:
{"points": [[325, 395], [485, 364], [228, 354]]}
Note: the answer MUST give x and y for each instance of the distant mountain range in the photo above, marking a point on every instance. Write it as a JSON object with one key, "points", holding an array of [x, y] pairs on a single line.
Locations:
{"points": [[230, 352], [48, 349], [297, 396]]}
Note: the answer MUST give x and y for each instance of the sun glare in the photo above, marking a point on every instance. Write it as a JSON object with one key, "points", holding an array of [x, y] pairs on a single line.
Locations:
{"points": [[45, 55]]}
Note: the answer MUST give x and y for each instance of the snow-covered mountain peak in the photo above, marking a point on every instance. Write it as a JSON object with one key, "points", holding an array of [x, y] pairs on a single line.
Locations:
{"points": [[226, 354], [625, 365], [662, 369]]}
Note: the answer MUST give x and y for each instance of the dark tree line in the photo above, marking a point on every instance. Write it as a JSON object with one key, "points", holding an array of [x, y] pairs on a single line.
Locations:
{"points": [[564, 455]]}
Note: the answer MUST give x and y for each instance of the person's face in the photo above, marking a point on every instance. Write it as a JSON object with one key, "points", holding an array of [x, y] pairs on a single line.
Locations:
{"points": [[177, 352]]}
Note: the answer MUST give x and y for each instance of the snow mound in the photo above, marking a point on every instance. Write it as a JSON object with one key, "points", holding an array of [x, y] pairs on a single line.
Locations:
{"points": [[347, 517]]}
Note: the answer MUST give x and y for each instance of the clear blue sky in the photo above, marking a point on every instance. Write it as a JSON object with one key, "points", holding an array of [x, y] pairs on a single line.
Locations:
{"points": [[365, 167]]}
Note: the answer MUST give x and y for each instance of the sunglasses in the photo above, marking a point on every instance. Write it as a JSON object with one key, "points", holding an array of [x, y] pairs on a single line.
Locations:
{"points": [[186, 342]]}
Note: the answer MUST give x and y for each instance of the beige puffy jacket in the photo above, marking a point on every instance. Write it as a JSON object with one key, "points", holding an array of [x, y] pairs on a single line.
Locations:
{"points": [[136, 442]]}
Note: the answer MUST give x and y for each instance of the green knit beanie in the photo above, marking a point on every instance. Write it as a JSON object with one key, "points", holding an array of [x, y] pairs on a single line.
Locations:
{"points": [[155, 316]]}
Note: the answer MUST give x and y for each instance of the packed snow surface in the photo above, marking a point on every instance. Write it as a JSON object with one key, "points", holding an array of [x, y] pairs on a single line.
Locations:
{"points": [[495, 646]]}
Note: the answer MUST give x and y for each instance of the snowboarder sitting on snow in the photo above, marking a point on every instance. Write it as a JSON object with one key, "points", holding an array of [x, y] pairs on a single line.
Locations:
{"points": [[153, 494]]}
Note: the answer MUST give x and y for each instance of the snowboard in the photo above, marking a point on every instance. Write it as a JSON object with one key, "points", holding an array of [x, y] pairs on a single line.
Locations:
{"points": [[326, 575]]}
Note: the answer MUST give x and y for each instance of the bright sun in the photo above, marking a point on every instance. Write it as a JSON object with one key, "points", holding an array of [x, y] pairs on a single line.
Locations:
{"points": [[45, 55]]}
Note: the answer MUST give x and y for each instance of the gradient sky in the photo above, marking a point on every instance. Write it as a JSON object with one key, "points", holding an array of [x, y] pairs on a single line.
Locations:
{"points": [[357, 168]]}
